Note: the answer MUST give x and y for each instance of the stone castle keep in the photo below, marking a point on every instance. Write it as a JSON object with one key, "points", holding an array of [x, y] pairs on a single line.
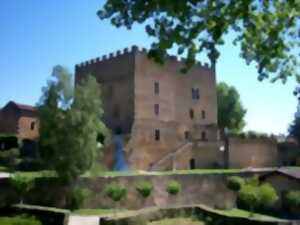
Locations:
{"points": [[161, 119], [168, 119]]}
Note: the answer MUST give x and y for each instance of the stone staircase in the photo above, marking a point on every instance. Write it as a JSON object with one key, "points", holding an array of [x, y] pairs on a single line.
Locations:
{"points": [[171, 156]]}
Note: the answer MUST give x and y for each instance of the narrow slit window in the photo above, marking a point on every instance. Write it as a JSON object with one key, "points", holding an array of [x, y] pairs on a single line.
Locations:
{"points": [[203, 114], [157, 135], [156, 109], [191, 114], [116, 112], [156, 88], [203, 136], [187, 135], [32, 125]]}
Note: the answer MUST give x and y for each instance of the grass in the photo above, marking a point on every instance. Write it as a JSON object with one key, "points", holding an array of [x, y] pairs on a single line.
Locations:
{"points": [[41, 208], [98, 212], [3, 169], [177, 221], [48, 173], [239, 213]]}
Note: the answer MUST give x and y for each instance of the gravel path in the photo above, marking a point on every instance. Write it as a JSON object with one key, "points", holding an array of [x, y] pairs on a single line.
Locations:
{"points": [[83, 220]]}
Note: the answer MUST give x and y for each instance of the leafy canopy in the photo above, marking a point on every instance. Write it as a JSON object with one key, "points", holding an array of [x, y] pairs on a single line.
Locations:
{"points": [[267, 32], [230, 109], [253, 195], [69, 126], [294, 129], [115, 191]]}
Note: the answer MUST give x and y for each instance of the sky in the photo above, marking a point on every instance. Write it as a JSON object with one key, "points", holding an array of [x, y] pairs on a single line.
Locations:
{"points": [[36, 35]]}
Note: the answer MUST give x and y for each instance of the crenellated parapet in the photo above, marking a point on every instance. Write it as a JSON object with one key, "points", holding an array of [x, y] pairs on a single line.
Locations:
{"points": [[132, 50]]}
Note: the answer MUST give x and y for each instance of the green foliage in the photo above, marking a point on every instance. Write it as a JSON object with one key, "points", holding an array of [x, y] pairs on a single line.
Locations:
{"points": [[294, 129], [144, 188], [19, 220], [252, 195], [230, 109], [78, 195], [115, 192], [265, 31], [235, 183], [293, 199], [21, 183], [80, 118], [173, 187], [9, 158]]}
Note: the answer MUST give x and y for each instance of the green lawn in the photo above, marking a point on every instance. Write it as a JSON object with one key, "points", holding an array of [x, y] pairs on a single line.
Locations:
{"points": [[48, 173], [3, 169], [177, 221], [234, 212]]}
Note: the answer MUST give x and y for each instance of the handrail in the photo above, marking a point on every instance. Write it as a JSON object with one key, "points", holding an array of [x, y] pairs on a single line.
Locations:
{"points": [[169, 155]]}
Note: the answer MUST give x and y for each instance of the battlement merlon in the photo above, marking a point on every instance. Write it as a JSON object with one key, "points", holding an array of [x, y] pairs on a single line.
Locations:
{"points": [[132, 50]]}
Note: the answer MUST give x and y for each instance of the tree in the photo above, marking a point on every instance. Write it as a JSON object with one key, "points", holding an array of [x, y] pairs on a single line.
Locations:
{"points": [[69, 126], [294, 129], [293, 199], [144, 188], [253, 195], [116, 193], [22, 184], [235, 183], [266, 31], [173, 187], [230, 109]]}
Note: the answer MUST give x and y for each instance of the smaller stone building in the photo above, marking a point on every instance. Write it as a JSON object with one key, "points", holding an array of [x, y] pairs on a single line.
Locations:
{"points": [[19, 120]]}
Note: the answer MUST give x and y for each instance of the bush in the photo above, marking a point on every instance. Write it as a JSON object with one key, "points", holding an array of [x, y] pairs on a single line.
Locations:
{"points": [[267, 195], [9, 158], [115, 192], [144, 188], [253, 196], [248, 197], [173, 187], [235, 183], [78, 195], [22, 184], [19, 220], [293, 199], [30, 165]]}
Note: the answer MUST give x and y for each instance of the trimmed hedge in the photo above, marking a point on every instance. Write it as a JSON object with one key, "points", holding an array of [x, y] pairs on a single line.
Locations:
{"points": [[173, 187], [235, 183], [144, 188], [293, 199]]}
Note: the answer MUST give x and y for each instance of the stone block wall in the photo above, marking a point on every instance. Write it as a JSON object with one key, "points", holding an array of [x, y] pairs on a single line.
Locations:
{"points": [[257, 152]]}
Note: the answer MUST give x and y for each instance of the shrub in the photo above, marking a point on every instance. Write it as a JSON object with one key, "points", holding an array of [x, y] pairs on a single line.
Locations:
{"points": [[115, 192], [9, 158], [77, 197], [144, 188], [293, 199], [235, 183], [253, 196], [19, 220], [267, 195], [253, 181], [248, 197], [173, 187], [22, 184]]}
